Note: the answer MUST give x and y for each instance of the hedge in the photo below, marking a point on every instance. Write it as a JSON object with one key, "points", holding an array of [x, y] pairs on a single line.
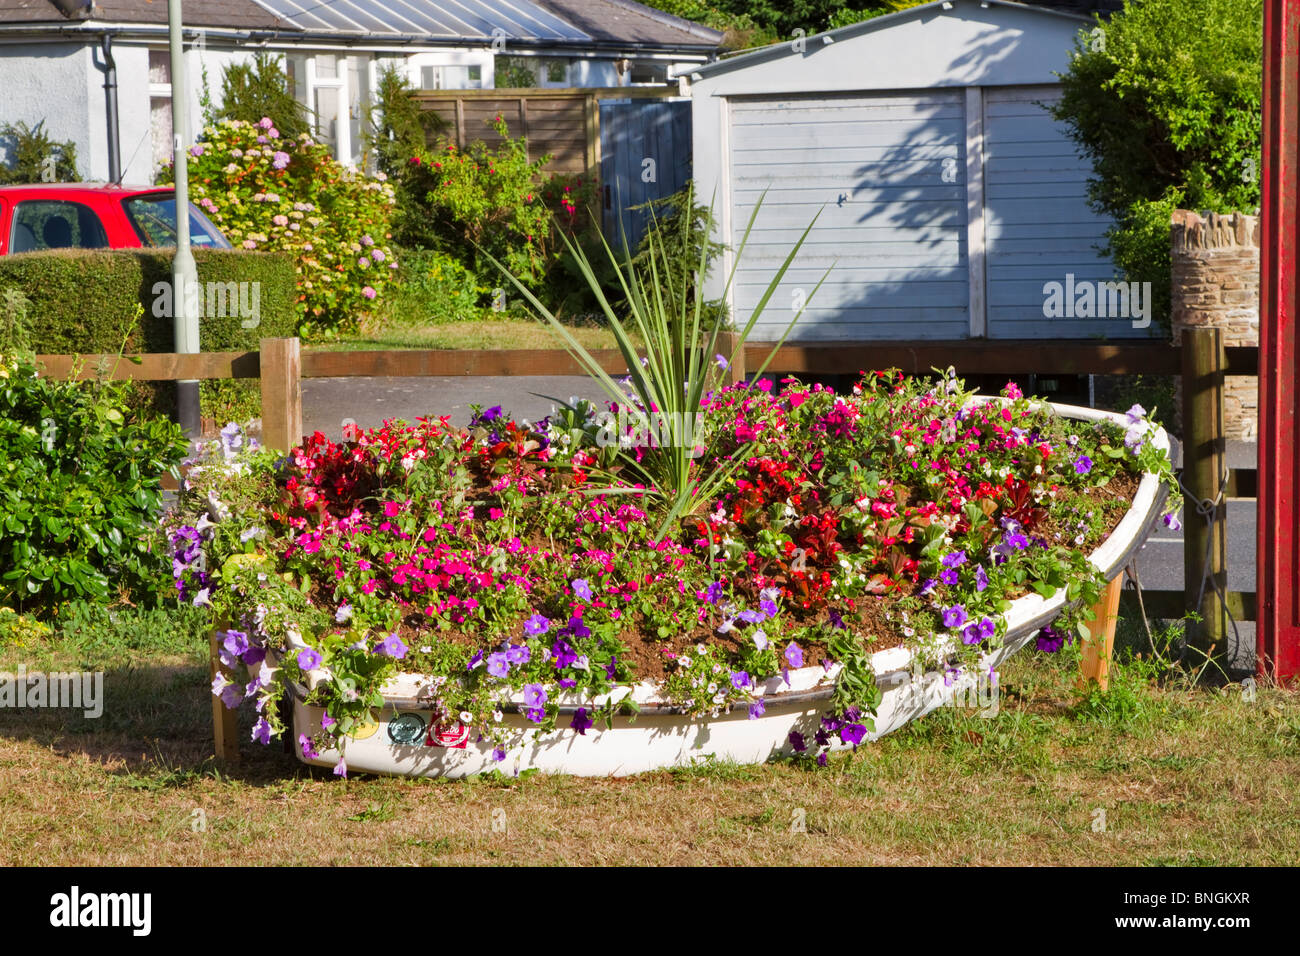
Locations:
{"points": [[84, 301]]}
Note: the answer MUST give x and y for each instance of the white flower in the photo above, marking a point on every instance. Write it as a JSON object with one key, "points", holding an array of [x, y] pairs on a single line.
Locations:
{"points": [[713, 687], [466, 717], [699, 648], [497, 716], [683, 661]]}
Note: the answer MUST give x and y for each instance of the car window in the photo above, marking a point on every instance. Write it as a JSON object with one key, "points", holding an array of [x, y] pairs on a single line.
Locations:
{"points": [[41, 224], [154, 219]]}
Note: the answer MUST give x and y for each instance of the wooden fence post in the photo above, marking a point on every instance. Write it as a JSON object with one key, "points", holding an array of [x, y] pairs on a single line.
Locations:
{"points": [[225, 721], [1205, 543], [1095, 663], [729, 349], [281, 374]]}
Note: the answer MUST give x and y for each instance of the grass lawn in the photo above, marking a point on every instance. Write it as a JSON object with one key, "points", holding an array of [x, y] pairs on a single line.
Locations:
{"points": [[478, 334], [1177, 775]]}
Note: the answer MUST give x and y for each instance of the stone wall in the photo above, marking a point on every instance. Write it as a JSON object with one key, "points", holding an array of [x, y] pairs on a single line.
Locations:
{"points": [[1216, 283]]}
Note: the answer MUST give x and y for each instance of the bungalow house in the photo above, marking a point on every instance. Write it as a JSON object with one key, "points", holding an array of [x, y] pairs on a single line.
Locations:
{"points": [[78, 64]]}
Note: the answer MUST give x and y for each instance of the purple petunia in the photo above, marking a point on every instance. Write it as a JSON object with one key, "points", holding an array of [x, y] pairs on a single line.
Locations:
{"points": [[853, 734], [305, 745], [308, 659], [563, 654], [262, 731], [797, 741], [954, 616], [713, 593], [793, 656], [534, 695], [474, 661], [1050, 640], [981, 579], [954, 560], [1172, 522], [341, 768], [752, 617], [1083, 465], [581, 722], [498, 754], [837, 620], [582, 588], [497, 665], [236, 642], [756, 709], [740, 680], [537, 624], [391, 646]]}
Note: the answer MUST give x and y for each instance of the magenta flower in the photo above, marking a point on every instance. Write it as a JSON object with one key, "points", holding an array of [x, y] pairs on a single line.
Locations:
{"points": [[368, 292]]}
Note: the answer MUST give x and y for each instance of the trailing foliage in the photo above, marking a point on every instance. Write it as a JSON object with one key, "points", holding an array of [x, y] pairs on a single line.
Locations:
{"points": [[1165, 100], [33, 157]]}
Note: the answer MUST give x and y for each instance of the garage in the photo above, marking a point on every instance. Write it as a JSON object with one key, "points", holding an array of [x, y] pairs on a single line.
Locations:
{"points": [[946, 196]]}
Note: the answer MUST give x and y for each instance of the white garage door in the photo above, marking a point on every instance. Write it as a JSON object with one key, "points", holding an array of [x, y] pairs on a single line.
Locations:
{"points": [[1039, 228], [888, 173]]}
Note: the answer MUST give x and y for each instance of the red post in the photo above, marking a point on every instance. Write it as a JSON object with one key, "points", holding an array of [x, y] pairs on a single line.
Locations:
{"points": [[1278, 551]]}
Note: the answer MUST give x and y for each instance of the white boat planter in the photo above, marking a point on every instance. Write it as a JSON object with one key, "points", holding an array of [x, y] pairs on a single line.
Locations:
{"points": [[400, 742]]}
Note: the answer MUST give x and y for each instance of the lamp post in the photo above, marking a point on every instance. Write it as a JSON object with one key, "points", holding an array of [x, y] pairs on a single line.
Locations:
{"points": [[185, 281]]}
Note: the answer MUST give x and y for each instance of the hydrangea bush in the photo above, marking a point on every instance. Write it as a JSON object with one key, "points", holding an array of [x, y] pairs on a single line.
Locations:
{"points": [[482, 557], [265, 191]]}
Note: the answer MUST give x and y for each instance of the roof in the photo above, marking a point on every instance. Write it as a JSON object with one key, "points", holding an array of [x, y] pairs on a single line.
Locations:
{"points": [[573, 23], [783, 47], [198, 13]]}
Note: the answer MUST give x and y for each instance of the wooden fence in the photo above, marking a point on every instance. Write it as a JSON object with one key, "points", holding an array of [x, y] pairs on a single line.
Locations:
{"points": [[564, 123], [1201, 360]]}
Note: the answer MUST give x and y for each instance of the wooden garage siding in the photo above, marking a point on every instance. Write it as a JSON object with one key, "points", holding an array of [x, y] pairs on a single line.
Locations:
{"points": [[1038, 224], [895, 230]]}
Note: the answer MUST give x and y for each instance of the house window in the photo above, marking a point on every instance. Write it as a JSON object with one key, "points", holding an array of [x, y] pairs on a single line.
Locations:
{"points": [[648, 74], [160, 109]]}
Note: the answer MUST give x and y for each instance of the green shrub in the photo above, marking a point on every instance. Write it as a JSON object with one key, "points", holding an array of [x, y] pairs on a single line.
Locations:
{"points": [[434, 289], [476, 203], [397, 128], [266, 191], [675, 241], [80, 490], [30, 150], [86, 301], [1165, 100]]}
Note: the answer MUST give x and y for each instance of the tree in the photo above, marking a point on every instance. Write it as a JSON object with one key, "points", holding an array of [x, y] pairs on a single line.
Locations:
{"points": [[1165, 100], [397, 128], [249, 92]]}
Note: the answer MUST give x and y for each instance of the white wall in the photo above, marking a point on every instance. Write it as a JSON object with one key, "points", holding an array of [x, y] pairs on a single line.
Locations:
{"points": [[51, 83]]}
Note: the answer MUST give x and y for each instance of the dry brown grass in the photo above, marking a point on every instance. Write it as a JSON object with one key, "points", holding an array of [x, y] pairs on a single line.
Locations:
{"points": [[1184, 776]]}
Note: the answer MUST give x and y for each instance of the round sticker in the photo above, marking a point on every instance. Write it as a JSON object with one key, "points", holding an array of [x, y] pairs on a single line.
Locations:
{"points": [[406, 729], [368, 729]]}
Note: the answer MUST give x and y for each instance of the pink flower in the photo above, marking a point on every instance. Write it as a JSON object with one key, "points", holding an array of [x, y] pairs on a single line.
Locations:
{"points": [[265, 122], [280, 159], [196, 151], [368, 292]]}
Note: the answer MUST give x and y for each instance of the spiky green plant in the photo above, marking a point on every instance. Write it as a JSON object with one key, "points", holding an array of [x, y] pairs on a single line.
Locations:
{"points": [[677, 370]]}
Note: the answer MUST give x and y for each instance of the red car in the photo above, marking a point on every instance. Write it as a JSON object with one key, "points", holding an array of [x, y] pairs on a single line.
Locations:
{"points": [[95, 216]]}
